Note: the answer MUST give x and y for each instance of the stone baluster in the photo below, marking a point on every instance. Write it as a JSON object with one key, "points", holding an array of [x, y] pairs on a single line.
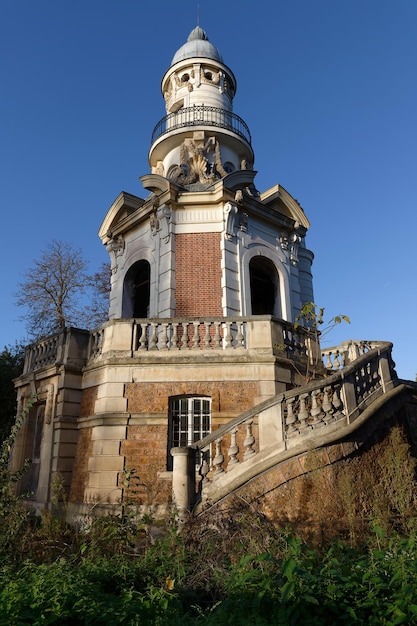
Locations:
{"points": [[153, 341], [336, 401], [163, 340], [174, 337], [249, 439], [315, 408], [228, 338], [326, 404], [195, 340], [217, 336], [204, 467], [240, 338], [328, 363], [207, 337], [359, 384], [302, 413], [337, 360], [219, 458], [290, 417], [234, 448], [376, 378], [142, 332]]}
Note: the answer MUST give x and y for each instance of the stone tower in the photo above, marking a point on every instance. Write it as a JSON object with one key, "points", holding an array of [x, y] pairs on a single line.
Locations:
{"points": [[208, 274], [205, 241]]}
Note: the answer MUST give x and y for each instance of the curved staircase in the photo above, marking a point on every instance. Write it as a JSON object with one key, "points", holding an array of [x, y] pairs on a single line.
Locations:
{"points": [[360, 379]]}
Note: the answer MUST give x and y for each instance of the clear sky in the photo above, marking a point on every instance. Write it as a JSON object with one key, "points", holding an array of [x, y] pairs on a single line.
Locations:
{"points": [[328, 89]]}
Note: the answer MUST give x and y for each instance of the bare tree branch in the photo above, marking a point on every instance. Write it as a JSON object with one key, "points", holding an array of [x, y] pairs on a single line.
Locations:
{"points": [[57, 291]]}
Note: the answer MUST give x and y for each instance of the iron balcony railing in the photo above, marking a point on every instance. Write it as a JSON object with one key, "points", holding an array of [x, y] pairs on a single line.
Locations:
{"points": [[201, 115]]}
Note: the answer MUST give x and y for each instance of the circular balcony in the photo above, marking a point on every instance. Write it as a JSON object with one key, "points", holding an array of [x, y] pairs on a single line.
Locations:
{"points": [[202, 115]]}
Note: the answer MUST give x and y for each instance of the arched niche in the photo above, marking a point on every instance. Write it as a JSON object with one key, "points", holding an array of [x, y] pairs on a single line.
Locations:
{"points": [[136, 290]]}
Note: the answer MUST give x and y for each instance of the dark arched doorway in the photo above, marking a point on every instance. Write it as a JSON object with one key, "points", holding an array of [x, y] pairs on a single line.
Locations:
{"points": [[136, 290], [264, 286]]}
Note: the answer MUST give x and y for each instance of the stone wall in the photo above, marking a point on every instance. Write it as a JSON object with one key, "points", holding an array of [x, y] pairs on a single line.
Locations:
{"points": [[80, 472], [344, 487]]}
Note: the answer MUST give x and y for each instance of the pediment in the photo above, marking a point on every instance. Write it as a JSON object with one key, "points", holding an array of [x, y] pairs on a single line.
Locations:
{"points": [[280, 200], [124, 205]]}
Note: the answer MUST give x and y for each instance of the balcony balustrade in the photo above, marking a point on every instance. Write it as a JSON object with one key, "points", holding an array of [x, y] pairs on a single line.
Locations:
{"points": [[202, 115]]}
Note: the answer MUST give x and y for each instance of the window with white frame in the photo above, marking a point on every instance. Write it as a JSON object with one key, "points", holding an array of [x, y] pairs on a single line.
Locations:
{"points": [[189, 421]]}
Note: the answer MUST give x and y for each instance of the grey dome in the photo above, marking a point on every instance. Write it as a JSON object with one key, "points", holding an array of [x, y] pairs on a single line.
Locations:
{"points": [[197, 45]]}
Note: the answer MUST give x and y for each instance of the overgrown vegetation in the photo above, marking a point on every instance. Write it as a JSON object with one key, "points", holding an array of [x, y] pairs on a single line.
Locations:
{"points": [[311, 318], [231, 566], [314, 327]]}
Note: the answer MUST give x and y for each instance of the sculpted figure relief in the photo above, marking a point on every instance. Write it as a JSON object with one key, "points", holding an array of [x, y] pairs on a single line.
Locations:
{"points": [[200, 161]]}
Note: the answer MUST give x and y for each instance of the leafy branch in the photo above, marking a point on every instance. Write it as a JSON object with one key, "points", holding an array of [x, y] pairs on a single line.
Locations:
{"points": [[311, 319]]}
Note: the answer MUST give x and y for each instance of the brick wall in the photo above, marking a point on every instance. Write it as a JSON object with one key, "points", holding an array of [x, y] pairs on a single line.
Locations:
{"points": [[88, 399], [198, 274], [231, 397], [145, 451], [146, 446]]}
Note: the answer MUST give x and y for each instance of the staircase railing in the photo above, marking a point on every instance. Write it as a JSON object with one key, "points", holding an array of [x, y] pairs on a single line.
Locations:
{"points": [[229, 455]]}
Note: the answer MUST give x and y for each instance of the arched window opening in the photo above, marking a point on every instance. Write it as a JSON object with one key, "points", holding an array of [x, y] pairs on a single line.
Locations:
{"points": [[136, 292], [189, 421], [264, 286]]}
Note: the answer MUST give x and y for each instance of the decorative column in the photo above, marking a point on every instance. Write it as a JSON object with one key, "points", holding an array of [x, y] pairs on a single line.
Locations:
{"points": [[183, 480]]}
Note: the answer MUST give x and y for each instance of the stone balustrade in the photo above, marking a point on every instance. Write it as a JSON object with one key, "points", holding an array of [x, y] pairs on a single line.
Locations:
{"points": [[138, 336], [68, 346], [287, 421], [43, 353], [337, 357], [135, 337]]}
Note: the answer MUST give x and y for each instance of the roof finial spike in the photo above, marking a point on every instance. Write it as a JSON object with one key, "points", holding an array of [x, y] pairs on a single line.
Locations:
{"points": [[198, 15]]}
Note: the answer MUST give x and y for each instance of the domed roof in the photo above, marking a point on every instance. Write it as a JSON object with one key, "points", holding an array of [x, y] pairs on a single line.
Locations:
{"points": [[197, 45]]}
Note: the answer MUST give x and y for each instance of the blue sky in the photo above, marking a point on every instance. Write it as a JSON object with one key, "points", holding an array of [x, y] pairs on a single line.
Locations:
{"points": [[328, 89]]}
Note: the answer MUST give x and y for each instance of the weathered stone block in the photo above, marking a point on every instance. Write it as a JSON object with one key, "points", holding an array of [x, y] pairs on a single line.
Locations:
{"points": [[106, 463], [111, 405], [117, 433], [106, 447], [103, 479]]}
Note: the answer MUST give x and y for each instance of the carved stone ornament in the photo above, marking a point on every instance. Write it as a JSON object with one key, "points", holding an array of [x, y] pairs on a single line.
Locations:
{"points": [[154, 200], [295, 241], [291, 243], [154, 223], [200, 162], [283, 242], [158, 168], [230, 211], [159, 223], [116, 246], [239, 196]]}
